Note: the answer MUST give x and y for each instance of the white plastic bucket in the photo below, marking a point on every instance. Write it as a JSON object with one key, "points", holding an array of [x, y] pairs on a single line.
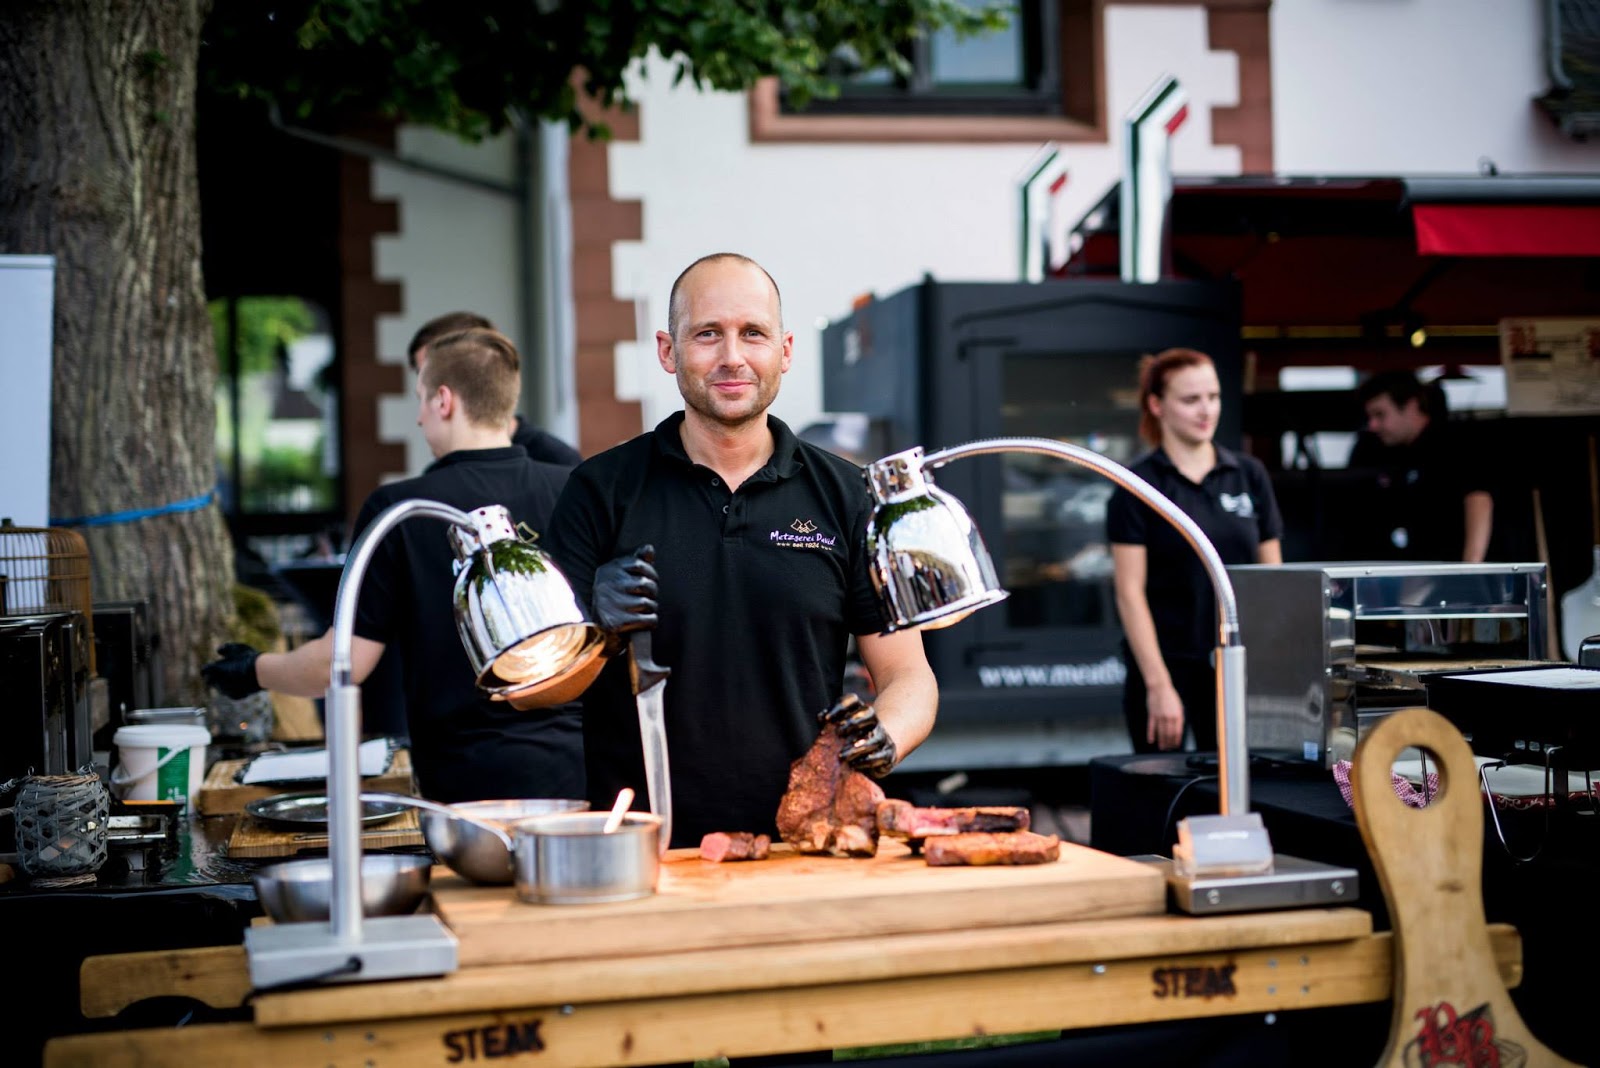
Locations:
{"points": [[160, 762]]}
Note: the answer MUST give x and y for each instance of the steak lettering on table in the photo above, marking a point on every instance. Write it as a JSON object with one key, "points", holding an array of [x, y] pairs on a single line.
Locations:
{"points": [[494, 1041], [1195, 981]]}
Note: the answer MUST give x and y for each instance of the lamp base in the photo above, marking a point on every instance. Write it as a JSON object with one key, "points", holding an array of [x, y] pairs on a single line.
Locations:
{"points": [[1291, 883], [389, 947]]}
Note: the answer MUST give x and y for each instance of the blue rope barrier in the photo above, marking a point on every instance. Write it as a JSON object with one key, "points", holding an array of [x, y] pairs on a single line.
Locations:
{"points": [[113, 518]]}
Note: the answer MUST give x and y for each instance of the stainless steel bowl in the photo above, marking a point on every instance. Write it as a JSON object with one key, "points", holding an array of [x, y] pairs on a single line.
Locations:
{"points": [[568, 859], [297, 891], [474, 852]]}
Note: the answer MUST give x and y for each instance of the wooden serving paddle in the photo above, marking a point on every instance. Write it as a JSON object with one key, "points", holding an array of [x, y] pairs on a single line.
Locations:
{"points": [[1450, 1006]]}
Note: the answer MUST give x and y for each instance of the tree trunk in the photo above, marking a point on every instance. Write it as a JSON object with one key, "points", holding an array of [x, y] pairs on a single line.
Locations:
{"points": [[97, 168]]}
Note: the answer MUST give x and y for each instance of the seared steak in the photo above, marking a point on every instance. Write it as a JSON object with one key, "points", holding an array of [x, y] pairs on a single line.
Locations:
{"points": [[1021, 847], [829, 807], [720, 846], [901, 819]]}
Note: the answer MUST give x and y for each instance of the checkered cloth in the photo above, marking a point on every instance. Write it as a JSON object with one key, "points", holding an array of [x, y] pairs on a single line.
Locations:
{"points": [[1404, 788]]}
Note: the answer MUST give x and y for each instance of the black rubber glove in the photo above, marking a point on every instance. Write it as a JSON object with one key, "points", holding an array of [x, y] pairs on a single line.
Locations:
{"points": [[625, 596], [868, 747], [235, 674]]}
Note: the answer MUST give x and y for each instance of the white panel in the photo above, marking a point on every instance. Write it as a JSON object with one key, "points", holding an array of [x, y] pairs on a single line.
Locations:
{"points": [[456, 251], [1414, 87], [27, 300]]}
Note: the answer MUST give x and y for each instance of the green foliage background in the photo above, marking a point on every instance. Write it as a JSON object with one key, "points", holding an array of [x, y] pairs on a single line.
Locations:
{"points": [[471, 67]]}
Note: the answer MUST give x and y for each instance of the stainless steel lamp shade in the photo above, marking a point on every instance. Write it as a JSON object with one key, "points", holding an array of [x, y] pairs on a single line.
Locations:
{"points": [[927, 560], [931, 569], [518, 619]]}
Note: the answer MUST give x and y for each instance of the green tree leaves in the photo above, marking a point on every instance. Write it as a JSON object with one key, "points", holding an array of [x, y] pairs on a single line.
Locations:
{"points": [[468, 66]]}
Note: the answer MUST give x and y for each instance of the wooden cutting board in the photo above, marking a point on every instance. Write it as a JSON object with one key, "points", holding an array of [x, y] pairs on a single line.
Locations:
{"points": [[220, 795], [252, 838], [1450, 1003], [794, 898]]}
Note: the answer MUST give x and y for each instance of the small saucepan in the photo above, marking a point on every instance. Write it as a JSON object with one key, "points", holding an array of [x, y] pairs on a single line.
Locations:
{"points": [[569, 859], [470, 849], [558, 858]]}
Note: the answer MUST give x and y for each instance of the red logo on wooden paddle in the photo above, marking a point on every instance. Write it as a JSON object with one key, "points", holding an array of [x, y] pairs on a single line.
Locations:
{"points": [[1469, 1040]]}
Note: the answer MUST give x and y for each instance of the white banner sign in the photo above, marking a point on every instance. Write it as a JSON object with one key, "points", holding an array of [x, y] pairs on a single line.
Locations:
{"points": [[1552, 366]]}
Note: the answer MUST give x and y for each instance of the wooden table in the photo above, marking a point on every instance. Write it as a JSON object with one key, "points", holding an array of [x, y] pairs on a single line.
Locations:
{"points": [[801, 953], [793, 954]]}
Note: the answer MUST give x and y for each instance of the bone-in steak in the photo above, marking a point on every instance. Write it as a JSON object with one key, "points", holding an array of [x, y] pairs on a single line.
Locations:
{"points": [[1022, 847], [829, 807]]}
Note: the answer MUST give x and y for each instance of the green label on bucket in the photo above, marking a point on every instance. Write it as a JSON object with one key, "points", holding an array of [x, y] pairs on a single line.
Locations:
{"points": [[172, 780]]}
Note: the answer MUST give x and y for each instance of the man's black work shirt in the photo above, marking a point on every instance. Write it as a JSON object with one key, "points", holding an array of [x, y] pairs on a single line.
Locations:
{"points": [[464, 746], [544, 446], [1235, 508], [759, 592], [1417, 506]]}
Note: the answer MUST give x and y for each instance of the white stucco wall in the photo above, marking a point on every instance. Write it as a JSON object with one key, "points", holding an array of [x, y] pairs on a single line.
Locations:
{"points": [[455, 251], [1414, 87], [833, 221]]}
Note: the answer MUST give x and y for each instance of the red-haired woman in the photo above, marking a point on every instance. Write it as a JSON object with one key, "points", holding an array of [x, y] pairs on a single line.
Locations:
{"points": [[1164, 596]]}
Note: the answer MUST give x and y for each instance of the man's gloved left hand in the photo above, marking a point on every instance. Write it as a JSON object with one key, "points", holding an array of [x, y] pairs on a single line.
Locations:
{"points": [[235, 674], [868, 747]]}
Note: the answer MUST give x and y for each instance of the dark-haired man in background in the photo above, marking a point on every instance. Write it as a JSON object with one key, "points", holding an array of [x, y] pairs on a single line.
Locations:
{"points": [[1433, 493]]}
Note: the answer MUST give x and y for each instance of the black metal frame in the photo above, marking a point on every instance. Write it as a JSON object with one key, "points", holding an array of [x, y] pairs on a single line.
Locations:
{"points": [[1038, 94]]}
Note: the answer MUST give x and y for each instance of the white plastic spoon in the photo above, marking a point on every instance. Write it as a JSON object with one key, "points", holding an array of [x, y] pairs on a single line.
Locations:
{"points": [[618, 810]]}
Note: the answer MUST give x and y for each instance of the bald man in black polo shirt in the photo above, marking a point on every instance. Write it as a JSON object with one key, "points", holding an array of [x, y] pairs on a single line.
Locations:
{"points": [[759, 548]]}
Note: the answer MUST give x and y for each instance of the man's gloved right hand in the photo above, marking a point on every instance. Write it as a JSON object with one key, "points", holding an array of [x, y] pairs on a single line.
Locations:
{"points": [[235, 674], [625, 596]]}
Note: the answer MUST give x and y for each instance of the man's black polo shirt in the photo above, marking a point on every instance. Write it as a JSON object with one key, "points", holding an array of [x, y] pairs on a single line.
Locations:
{"points": [[464, 746], [1416, 509], [544, 446], [1235, 508], [759, 592]]}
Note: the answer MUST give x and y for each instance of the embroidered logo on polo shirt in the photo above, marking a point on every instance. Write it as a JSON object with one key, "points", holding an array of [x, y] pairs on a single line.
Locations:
{"points": [[1239, 504], [806, 535]]}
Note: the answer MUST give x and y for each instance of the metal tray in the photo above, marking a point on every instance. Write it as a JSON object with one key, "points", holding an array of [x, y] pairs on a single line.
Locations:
{"points": [[299, 812]]}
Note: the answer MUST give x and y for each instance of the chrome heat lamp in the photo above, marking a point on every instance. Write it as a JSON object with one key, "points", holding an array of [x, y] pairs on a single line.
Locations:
{"points": [[931, 569], [523, 631]]}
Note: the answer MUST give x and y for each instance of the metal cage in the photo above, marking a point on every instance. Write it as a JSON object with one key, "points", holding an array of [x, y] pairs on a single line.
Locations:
{"points": [[44, 569]]}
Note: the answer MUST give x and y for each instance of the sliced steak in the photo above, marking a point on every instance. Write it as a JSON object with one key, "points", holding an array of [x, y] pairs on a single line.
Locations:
{"points": [[1020, 847], [901, 819], [721, 846], [829, 807]]}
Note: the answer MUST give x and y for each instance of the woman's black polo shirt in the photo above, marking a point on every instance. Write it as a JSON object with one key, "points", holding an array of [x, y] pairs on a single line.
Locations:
{"points": [[759, 592], [1236, 509]]}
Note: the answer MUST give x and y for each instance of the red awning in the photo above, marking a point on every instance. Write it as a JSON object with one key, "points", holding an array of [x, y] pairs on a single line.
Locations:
{"points": [[1507, 229]]}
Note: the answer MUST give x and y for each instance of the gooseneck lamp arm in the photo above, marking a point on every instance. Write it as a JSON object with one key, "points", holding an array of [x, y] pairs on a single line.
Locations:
{"points": [[343, 715], [1227, 604], [891, 474]]}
